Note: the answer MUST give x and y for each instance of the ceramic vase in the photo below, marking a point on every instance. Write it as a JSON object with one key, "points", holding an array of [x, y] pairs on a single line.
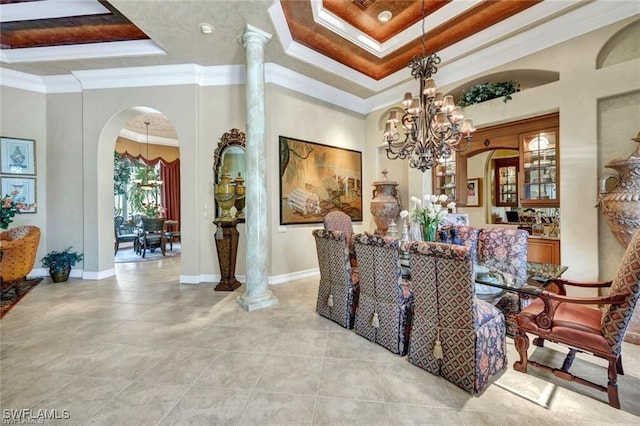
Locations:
{"points": [[621, 205], [429, 231], [225, 193], [385, 205], [60, 275]]}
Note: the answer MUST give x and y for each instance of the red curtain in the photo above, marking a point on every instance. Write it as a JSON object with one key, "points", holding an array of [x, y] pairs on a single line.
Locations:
{"points": [[170, 189]]}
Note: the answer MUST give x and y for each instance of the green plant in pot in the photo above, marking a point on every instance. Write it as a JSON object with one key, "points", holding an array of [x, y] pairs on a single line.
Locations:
{"points": [[60, 263]]}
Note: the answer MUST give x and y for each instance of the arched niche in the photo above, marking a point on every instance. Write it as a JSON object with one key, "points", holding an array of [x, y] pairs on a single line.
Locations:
{"points": [[621, 47], [526, 78]]}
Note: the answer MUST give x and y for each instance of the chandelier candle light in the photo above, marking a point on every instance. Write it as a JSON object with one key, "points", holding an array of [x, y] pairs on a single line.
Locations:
{"points": [[146, 183], [434, 126]]}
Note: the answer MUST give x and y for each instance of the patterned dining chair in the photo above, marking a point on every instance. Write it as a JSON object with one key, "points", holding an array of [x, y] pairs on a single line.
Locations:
{"points": [[123, 233], [506, 249], [338, 290], [339, 221], [453, 334], [386, 301], [575, 323], [152, 235]]}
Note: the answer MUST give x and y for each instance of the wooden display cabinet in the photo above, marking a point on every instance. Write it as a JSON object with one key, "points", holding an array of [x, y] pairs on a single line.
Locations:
{"points": [[444, 178], [506, 182], [543, 250], [539, 169]]}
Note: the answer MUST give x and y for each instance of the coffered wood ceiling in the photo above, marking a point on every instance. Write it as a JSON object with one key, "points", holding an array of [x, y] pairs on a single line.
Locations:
{"points": [[340, 43]]}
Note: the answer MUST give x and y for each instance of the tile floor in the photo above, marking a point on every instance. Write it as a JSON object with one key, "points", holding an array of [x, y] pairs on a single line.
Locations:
{"points": [[143, 349]]}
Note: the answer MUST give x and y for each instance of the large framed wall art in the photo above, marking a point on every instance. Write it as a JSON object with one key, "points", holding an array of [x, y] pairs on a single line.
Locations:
{"points": [[21, 190], [17, 156], [316, 179]]}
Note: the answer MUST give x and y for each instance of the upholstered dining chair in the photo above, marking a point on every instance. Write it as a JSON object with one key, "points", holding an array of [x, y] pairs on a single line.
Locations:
{"points": [[453, 334], [386, 301], [18, 248], [576, 323], [152, 236], [506, 249], [123, 234], [339, 289], [339, 221]]}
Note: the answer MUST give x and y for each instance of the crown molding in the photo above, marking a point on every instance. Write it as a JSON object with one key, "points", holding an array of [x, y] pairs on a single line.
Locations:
{"points": [[162, 75], [48, 9], [81, 51]]}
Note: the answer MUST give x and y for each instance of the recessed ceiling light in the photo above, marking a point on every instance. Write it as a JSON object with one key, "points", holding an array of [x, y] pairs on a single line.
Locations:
{"points": [[206, 28], [384, 16]]}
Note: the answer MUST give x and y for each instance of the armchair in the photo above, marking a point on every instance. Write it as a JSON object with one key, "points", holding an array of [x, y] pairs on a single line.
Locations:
{"points": [[339, 290], [123, 233], [453, 334], [386, 301], [153, 235], [18, 247], [572, 322]]}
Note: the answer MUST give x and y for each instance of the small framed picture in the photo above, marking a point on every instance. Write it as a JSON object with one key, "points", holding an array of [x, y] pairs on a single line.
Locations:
{"points": [[22, 190], [457, 219], [17, 156], [474, 192]]}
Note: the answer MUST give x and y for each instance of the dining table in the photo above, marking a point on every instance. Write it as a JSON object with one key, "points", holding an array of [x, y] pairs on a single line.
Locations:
{"points": [[491, 283]]}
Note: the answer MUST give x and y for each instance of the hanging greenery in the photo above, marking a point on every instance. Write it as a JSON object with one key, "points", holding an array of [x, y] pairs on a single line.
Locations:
{"points": [[121, 174], [487, 91], [138, 197]]}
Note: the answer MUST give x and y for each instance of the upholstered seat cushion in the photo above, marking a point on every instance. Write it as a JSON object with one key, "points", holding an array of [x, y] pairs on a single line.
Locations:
{"points": [[485, 312], [573, 324]]}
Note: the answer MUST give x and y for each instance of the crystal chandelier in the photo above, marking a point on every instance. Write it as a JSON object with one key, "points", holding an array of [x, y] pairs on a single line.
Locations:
{"points": [[146, 183], [434, 126]]}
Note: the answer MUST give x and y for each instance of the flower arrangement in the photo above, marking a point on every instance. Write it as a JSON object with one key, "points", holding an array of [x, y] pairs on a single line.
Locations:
{"points": [[429, 213], [152, 209], [9, 207]]}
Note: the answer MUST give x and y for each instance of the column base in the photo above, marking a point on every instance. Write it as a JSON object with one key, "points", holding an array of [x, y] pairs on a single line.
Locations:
{"points": [[227, 284], [253, 303]]}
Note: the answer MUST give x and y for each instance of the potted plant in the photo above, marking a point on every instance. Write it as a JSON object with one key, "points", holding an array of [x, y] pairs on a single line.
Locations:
{"points": [[60, 263]]}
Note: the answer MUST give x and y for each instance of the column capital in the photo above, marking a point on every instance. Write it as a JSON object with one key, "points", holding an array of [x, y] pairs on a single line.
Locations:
{"points": [[252, 34]]}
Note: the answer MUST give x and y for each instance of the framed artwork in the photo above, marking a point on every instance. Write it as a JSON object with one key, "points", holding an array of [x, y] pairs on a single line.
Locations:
{"points": [[21, 190], [17, 156], [457, 219], [474, 189], [316, 179]]}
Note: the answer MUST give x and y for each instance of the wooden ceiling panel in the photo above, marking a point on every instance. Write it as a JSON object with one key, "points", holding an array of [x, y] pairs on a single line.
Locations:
{"points": [[307, 32], [85, 29]]}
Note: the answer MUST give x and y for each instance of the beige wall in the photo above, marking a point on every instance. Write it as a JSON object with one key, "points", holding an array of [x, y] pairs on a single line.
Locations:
{"points": [[76, 133], [24, 116]]}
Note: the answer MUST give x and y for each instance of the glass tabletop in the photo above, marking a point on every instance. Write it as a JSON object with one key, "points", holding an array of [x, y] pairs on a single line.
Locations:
{"points": [[539, 275]]}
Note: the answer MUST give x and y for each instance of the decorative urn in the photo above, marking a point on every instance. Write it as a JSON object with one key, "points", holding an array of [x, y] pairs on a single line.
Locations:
{"points": [[225, 193], [621, 205], [240, 191], [385, 205]]}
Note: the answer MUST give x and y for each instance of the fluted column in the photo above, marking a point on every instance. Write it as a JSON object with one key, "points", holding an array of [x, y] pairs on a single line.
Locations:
{"points": [[257, 294]]}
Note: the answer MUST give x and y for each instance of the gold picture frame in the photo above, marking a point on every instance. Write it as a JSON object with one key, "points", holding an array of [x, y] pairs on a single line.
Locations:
{"points": [[474, 192]]}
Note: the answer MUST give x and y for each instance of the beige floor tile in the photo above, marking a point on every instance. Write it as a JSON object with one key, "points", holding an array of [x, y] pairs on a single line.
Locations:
{"points": [[291, 374], [332, 411], [236, 370], [346, 378], [207, 406], [277, 409], [404, 414]]}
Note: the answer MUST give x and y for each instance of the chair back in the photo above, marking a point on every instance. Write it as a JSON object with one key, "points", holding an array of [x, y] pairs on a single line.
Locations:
{"points": [[379, 268], [336, 277], [153, 224], [442, 282], [339, 221], [504, 249], [469, 237], [615, 318], [117, 225], [19, 246]]}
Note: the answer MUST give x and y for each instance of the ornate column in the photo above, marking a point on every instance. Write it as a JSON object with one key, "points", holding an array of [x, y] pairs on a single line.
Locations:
{"points": [[257, 294]]}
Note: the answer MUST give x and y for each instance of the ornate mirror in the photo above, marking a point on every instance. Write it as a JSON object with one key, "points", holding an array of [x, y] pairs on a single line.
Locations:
{"points": [[229, 176]]}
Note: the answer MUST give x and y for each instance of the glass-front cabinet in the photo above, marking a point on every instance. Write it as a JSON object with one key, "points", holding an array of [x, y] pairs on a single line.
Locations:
{"points": [[539, 168], [444, 178], [506, 182]]}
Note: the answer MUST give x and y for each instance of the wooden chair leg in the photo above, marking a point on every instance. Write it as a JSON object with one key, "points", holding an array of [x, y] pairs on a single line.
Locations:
{"points": [[522, 345], [619, 365], [612, 386]]}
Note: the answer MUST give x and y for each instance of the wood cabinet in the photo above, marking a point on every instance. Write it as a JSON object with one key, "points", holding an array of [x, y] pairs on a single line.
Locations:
{"points": [[444, 178], [539, 169], [544, 250], [506, 182]]}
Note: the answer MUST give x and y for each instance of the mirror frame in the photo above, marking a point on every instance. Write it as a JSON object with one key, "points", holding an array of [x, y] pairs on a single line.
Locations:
{"points": [[233, 137]]}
